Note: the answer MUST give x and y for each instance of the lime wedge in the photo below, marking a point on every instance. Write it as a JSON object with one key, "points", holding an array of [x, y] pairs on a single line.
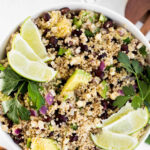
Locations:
{"points": [[130, 123], [78, 77], [43, 144], [30, 33], [114, 141], [32, 70], [22, 46], [116, 116]]}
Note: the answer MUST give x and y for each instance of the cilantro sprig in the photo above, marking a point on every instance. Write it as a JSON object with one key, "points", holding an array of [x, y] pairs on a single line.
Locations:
{"points": [[134, 67], [14, 109], [12, 82]]}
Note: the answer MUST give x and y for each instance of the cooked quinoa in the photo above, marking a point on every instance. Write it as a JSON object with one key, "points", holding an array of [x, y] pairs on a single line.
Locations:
{"points": [[89, 45]]}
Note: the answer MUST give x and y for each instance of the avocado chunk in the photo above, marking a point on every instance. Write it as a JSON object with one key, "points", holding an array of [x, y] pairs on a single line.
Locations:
{"points": [[103, 89], [78, 77], [43, 144]]}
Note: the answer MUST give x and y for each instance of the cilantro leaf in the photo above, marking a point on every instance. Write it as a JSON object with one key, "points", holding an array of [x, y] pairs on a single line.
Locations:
{"points": [[136, 102], [142, 50], [15, 110], [2, 68], [143, 88], [121, 101], [10, 80], [124, 59], [88, 33], [136, 66], [35, 95], [128, 90], [127, 40], [148, 140]]}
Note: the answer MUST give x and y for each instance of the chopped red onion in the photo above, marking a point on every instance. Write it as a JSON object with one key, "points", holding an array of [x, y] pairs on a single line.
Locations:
{"points": [[49, 99], [102, 66], [18, 131], [43, 110], [121, 92], [33, 112]]}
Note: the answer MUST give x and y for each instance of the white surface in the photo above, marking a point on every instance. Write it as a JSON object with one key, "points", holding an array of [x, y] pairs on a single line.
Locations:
{"points": [[14, 11]]}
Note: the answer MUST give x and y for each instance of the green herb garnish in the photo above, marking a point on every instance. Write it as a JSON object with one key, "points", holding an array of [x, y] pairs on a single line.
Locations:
{"points": [[88, 33], [127, 40], [13, 82], [14, 109], [34, 95], [134, 67], [142, 50], [74, 126], [148, 140], [10, 80], [2, 68]]}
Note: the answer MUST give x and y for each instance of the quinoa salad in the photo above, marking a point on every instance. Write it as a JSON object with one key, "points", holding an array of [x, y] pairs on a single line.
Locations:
{"points": [[100, 68]]}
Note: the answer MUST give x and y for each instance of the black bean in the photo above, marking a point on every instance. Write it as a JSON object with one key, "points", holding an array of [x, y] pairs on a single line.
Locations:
{"points": [[57, 48], [99, 73], [10, 123], [104, 115], [64, 10], [71, 66], [88, 103], [124, 47], [60, 118], [111, 85], [102, 56], [84, 47], [115, 57], [53, 41], [51, 134], [76, 32], [108, 24], [114, 40], [86, 57], [46, 16], [135, 52], [48, 46], [104, 104], [45, 32], [74, 137], [47, 119]]}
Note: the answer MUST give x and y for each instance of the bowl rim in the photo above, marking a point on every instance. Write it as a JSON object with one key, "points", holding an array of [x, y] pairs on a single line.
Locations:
{"points": [[75, 6]]}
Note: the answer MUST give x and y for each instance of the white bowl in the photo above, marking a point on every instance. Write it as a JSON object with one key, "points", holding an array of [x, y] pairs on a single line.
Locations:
{"points": [[111, 14]]}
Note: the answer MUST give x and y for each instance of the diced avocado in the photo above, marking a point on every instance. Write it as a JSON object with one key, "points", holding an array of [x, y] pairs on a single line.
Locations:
{"points": [[43, 144], [78, 77], [62, 51], [103, 89], [102, 18], [77, 22]]}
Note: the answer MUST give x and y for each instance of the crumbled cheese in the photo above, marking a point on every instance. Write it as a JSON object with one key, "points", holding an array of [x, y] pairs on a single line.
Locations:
{"points": [[112, 71], [41, 124], [34, 124], [98, 37], [81, 104], [114, 95]]}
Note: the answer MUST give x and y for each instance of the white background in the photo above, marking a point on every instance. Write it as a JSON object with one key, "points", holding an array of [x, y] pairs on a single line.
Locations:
{"points": [[13, 12]]}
